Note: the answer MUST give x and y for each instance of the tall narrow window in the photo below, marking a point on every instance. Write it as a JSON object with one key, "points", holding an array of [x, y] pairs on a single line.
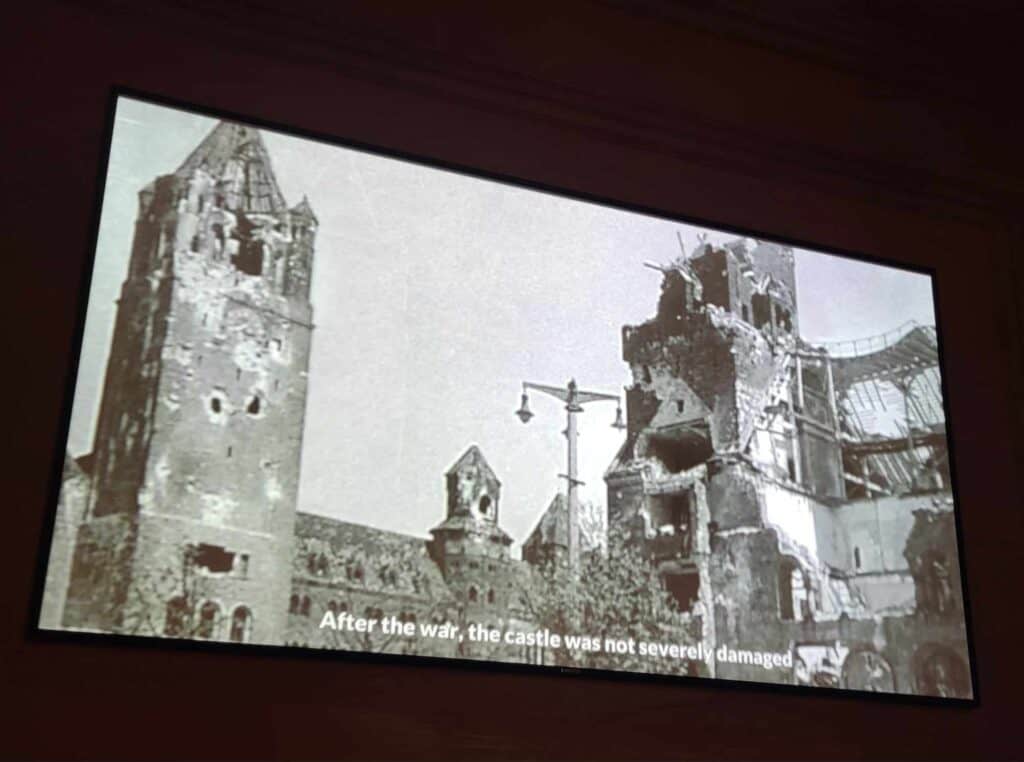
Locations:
{"points": [[208, 616], [241, 625], [787, 570]]}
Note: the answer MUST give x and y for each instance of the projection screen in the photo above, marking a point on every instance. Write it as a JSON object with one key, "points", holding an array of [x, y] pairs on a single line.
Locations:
{"points": [[329, 398]]}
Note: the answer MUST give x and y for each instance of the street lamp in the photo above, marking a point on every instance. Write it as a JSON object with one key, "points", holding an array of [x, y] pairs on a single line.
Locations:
{"points": [[574, 400]]}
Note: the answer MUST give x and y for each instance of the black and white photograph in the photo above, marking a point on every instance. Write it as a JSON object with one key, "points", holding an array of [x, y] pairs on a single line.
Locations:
{"points": [[330, 399]]}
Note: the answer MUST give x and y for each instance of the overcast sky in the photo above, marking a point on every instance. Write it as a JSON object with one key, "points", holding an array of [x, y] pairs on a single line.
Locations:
{"points": [[435, 296]]}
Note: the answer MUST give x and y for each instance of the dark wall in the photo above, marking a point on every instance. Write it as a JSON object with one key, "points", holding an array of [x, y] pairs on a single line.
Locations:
{"points": [[892, 134]]}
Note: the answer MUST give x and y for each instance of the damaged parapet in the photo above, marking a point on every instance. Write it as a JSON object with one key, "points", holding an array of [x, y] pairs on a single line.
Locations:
{"points": [[197, 440], [756, 481]]}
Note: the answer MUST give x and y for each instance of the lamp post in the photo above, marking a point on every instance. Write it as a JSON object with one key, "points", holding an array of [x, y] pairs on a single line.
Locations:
{"points": [[574, 400]]}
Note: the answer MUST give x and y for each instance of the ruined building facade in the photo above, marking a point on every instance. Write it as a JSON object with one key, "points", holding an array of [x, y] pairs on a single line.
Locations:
{"points": [[793, 498], [783, 507]]}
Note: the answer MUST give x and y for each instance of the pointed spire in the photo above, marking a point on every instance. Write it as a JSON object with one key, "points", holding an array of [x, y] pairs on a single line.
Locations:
{"points": [[235, 155], [304, 209], [553, 526]]}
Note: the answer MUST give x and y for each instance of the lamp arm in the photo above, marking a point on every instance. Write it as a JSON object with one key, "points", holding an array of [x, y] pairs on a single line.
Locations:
{"points": [[581, 397], [554, 391]]}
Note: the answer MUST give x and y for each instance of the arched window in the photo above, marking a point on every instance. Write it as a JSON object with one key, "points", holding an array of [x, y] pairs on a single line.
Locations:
{"points": [[304, 606], [241, 625], [311, 563], [208, 616], [940, 671], [176, 617], [867, 671], [485, 505], [332, 607], [342, 607], [490, 596], [293, 604], [254, 406], [472, 595], [935, 595]]}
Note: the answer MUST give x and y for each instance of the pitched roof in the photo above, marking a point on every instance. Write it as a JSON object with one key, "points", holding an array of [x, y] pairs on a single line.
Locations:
{"points": [[379, 553], [221, 153], [553, 527], [463, 523], [470, 458]]}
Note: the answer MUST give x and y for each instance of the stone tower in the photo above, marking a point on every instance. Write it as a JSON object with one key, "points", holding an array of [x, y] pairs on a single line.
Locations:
{"points": [[469, 546], [191, 514]]}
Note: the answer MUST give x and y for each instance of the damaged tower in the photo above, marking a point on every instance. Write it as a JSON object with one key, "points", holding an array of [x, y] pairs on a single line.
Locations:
{"points": [[190, 518], [784, 489]]}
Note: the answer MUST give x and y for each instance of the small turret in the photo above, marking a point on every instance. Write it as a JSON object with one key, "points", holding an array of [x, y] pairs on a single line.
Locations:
{"points": [[468, 545]]}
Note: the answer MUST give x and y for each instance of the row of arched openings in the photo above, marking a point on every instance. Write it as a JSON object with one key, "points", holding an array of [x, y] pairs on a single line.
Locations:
{"points": [[474, 595], [302, 606], [181, 620]]}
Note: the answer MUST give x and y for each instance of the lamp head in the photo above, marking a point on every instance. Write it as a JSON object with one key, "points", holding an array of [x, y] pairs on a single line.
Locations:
{"points": [[524, 412]]}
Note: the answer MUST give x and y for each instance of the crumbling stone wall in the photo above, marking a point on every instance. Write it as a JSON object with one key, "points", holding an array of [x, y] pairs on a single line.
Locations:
{"points": [[699, 356]]}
